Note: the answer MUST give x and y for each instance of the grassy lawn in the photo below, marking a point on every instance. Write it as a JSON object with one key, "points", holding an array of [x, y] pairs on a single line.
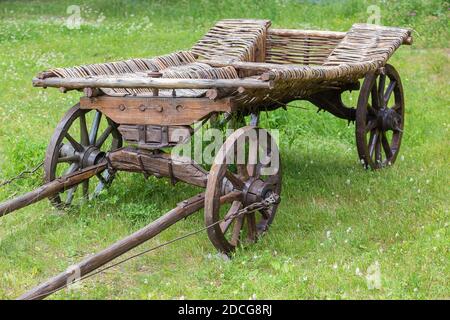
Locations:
{"points": [[336, 222]]}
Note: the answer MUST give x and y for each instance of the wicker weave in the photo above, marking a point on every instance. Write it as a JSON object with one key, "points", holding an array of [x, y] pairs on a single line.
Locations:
{"points": [[364, 43], [300, 47], [234, 39], [175, 65], [363, 49]]}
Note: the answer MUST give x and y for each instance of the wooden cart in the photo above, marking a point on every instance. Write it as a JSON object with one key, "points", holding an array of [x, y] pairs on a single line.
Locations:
{"points": [[130, 111]]}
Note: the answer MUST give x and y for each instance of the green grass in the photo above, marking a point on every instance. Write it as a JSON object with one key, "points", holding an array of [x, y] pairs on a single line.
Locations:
{"points": [[335, 220]]}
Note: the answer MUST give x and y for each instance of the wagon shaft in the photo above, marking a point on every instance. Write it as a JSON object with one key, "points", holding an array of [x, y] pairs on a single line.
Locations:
{"points": [[94, 262], [183, 210]]}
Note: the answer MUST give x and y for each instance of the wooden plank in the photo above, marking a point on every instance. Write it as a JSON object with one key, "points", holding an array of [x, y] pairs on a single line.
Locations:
{"points": [[156, 110]]}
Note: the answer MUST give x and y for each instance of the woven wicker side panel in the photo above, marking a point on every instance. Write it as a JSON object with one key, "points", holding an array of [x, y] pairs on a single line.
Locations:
{"points": [[365, 42], [299, 48], [298, 82], [176, 65], [234, 39], [126, 66]]}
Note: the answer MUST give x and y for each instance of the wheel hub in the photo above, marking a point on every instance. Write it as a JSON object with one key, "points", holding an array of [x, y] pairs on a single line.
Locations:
{"points": [[388, 119], [89, 156], [256, 190]]}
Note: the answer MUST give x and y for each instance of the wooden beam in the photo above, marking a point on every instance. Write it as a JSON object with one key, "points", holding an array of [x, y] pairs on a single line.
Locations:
{"points": [[141, 82], [251, 66], [156, 110], [308, 33]]}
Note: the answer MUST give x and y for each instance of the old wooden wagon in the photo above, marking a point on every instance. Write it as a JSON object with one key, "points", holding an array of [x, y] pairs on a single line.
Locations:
{"points": [[134, 111]]}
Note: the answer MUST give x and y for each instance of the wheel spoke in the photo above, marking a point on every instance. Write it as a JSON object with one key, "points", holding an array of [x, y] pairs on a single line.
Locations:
{"points": [[84, 135], [252, 170], [94, 129], [101, 140], [372, 124], [274, 178], [378, 150], [85, 185], [386, 146], [381, 87], [396, 107], [372, 142], [236, 234], [78, 147], [73, 167], [70, 194], [101, 178], [237, 183], [243, 172], [388, 93], [265, 213], [235, 207], [374, 95], [69, 159], [251, 225], [252, 165], [232, 196]]}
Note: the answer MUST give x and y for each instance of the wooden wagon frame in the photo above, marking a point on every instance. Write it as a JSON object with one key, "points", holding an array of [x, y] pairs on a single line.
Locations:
{"points": [[238, 69]]}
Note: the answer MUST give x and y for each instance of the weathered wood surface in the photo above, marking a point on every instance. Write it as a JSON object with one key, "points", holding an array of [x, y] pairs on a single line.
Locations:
{"points": [[251, 66], [156, 110], [153, 134], [219, 93], [115, 250], [141, 82], [310, 33], [51, 188], [159, 164], [183, 210]]}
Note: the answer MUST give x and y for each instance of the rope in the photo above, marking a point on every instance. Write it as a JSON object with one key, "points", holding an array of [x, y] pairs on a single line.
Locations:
{"points": [[22, 174]]}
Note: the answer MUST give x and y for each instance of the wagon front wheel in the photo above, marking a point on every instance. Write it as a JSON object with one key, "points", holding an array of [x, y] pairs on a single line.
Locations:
{"points": [[81, 139], [246, 172], [380, 117]]}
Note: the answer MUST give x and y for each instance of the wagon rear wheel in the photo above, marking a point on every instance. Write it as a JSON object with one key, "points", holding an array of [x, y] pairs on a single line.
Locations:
{"points": [[248, 163], [81, 139], [380, 118]]}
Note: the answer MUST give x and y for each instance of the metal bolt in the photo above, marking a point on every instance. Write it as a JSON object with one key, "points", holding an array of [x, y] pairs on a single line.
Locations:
{"points": [[122, 107]]}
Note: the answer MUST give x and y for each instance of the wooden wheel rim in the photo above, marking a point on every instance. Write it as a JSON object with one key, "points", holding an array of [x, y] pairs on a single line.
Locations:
{"points": [[52, 155], [214, 190], [371, 136]]}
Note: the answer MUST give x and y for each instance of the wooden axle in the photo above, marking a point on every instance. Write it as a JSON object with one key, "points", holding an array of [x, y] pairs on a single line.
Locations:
{"points": [[142, 82], [183, 210], [159, 164]]}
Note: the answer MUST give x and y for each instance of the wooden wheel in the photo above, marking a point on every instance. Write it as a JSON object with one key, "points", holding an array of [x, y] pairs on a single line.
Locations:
{"points": [[67, 154], [380, 118], [248, 163]]}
